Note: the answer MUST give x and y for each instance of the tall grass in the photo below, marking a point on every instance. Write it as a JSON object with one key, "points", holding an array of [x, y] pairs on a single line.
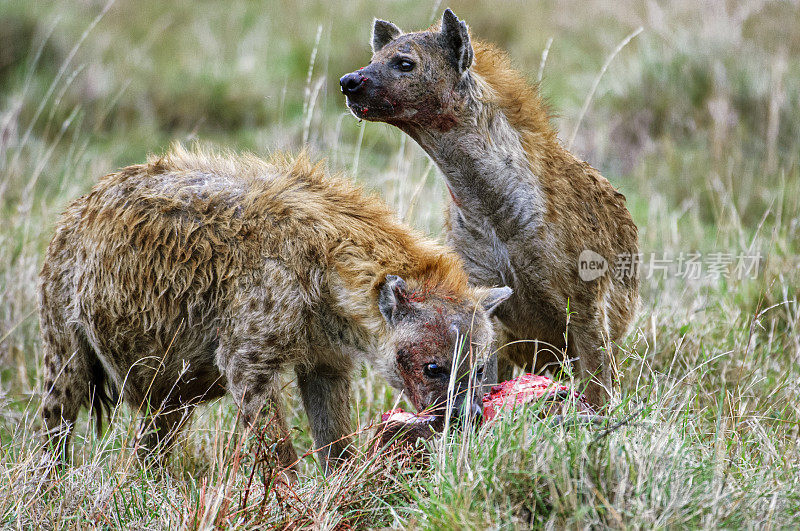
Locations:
{"points": [[696, 120]]}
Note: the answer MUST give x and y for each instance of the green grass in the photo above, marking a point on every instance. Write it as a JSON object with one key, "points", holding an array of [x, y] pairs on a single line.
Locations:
{"points": [[696, 120]]}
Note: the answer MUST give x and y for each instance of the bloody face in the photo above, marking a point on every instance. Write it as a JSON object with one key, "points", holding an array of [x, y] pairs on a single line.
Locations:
{"points": [[437, 356], [439, 344], [409, 80]]}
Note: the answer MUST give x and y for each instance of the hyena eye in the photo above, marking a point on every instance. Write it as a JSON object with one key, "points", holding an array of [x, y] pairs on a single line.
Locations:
{"points": [[404, 65], [434, 370]]}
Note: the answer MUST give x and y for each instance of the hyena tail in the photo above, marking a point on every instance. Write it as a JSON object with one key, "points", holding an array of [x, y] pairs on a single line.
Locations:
{"points": [[103, 393]]}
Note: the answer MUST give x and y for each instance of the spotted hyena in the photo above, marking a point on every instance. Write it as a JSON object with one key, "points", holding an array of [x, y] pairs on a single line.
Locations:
{"points": [[523, 209], [196, 274]]}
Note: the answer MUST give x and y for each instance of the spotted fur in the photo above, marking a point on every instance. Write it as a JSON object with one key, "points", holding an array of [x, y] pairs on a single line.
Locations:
{"points": [[196, 274], [523, 208]]}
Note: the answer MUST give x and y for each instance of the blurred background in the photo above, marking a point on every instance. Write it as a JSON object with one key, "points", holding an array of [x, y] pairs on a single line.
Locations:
{"points": [[696, 120]]}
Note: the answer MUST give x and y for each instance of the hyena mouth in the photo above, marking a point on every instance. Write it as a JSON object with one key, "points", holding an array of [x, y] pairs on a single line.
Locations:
{"points": [[367, 111]]}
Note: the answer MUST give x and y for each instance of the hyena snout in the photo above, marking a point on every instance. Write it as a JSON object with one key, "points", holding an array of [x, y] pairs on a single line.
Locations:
{"points": [[468, 409], [370, 95], [465, 410], [352, 83], [464, 404]]}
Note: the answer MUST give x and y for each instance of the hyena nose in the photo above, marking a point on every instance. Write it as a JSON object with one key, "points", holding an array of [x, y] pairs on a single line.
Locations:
{"points": [[351, 83]]}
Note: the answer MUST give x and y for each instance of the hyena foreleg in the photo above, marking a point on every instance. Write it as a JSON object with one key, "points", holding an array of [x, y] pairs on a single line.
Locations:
{"points": [[326, 397], [596, 370], [256, 389]]}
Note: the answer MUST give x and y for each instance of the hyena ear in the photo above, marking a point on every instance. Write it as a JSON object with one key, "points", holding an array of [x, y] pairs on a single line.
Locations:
{"points": [[494, 297], [393, 299], [383, 33], [455, 38]]}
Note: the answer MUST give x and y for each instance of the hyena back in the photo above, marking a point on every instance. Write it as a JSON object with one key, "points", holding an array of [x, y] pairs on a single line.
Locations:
{"points": [[522, 207], [194, 275]]}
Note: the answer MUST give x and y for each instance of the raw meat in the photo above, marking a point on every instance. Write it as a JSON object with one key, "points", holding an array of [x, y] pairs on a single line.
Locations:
{"points": [[401, 426], [527, 389]]}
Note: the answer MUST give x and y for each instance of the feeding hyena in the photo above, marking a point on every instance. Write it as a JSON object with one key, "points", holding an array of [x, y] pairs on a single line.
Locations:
{"points": [[522, 207], [194, 275]]}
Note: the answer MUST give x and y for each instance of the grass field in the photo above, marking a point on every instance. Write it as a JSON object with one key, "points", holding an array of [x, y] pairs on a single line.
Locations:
{"points": [[696, 120]]}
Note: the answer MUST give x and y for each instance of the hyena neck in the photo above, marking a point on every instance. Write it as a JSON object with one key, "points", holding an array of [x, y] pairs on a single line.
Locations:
{"points": [[363, 261], [488, 165]]}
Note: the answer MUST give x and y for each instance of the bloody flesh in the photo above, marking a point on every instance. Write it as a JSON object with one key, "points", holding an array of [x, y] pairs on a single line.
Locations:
{"points": [[527, 389], [502, 399]]}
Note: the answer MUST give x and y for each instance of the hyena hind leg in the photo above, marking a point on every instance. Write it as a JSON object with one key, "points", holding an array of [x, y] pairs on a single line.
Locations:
{"points": [[73, 378]]}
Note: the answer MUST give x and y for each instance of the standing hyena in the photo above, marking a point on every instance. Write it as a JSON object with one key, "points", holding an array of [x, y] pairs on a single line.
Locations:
{"points": [[523, 208], [194, 274]]}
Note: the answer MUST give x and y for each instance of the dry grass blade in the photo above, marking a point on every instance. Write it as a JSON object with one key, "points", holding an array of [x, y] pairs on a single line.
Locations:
{"points": [[596, 82]]}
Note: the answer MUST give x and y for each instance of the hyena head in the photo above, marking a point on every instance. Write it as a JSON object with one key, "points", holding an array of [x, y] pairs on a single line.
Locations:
{"points": [[413, 78], [437, 344]]}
